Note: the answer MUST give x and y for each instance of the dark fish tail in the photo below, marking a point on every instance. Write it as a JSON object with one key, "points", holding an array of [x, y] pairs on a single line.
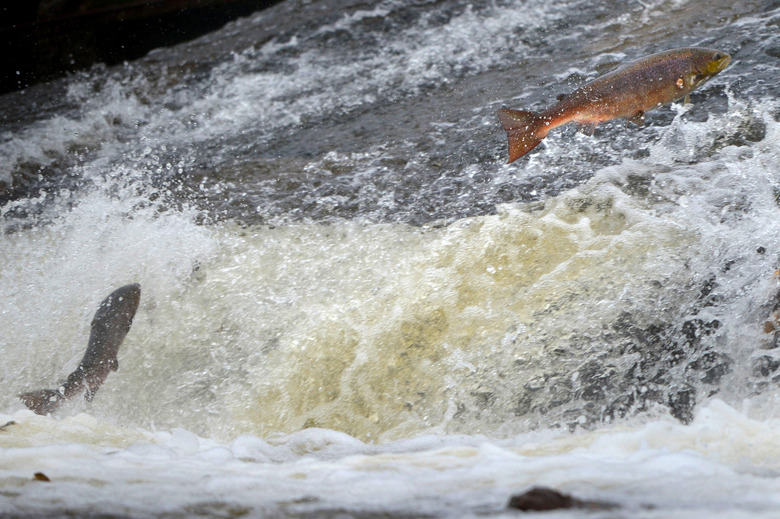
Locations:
{"points": [[44, 401], [522, 129]]}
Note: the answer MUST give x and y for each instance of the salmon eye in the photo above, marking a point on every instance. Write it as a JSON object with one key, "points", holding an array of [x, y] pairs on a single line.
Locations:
{"points": [[718, 56]]}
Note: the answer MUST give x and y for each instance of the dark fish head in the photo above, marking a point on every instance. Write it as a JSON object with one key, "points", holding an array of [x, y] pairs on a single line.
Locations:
{"points": [[118, 309], [109, 326], [125, 300], [707, 63], [132, 292]]}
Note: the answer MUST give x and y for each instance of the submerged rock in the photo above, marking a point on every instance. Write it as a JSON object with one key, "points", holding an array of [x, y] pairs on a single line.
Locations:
{"points": [[40, 476], [542, 499]]}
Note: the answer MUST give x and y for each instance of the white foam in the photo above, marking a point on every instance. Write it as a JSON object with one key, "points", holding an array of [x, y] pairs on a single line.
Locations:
{"points": [[256, 348], [236, 98], [661, 469]]}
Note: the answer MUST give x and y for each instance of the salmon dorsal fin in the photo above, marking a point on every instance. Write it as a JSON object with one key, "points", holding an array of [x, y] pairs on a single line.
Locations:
{"points": [[608, 66]]}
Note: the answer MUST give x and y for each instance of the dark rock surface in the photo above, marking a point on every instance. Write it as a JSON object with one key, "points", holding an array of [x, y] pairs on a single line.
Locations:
{"points": [[542, 499], [46, 39]]}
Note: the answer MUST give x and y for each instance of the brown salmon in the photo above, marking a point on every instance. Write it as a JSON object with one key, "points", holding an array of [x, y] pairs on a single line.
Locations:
{"points": [[109, 326], [628, 91]]}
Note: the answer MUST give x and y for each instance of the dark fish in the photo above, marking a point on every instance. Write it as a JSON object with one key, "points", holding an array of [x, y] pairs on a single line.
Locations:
{"points": [[629, 91], [109, 326]]}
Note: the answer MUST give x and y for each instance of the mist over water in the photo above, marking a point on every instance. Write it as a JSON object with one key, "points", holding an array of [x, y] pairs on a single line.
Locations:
{"points": [[316, 204]]}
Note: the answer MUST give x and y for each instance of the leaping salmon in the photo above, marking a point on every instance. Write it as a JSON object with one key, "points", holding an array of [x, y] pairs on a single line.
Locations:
{"points": [[109, 326], [628, 91]]}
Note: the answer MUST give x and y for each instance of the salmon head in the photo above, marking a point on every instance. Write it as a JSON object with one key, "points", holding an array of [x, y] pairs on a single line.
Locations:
{"points": [[705, 64]]}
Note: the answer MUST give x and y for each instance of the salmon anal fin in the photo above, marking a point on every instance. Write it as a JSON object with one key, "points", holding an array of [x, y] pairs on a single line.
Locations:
{"points": [[89, 395], [588, 128], [521, 129]]}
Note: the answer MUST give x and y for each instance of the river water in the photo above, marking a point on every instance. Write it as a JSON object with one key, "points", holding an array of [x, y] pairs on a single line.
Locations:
{"points": [[353, 307]]}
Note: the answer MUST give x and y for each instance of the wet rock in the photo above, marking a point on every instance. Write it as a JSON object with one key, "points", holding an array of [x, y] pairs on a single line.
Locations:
{"points": [[749, 129], [541, 499], [40, 476], [681, 404], [773, 52], [694, 330], [620, 407], [712, 366], [771, 343], [765, 365], [524, 403]]}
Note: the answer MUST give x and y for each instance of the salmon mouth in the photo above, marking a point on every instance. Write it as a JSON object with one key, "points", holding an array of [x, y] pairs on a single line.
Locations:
{"points": [[719, 61], [718, 64]]}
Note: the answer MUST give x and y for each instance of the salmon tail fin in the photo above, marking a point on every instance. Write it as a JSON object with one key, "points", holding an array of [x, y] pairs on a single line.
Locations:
{"points": [[522, 129], [42, 402]]}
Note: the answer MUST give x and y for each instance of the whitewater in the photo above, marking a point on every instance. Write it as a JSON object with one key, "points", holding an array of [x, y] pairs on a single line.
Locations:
{"points": [[353, 307]]}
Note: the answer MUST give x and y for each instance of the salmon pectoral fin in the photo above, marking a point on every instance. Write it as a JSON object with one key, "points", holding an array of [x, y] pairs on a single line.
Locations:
{"points": [[588, 128], [521, 129], [638, 118]]}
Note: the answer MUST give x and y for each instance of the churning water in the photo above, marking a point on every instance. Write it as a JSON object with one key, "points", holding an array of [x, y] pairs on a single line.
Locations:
{"points": [[352, 306]]}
